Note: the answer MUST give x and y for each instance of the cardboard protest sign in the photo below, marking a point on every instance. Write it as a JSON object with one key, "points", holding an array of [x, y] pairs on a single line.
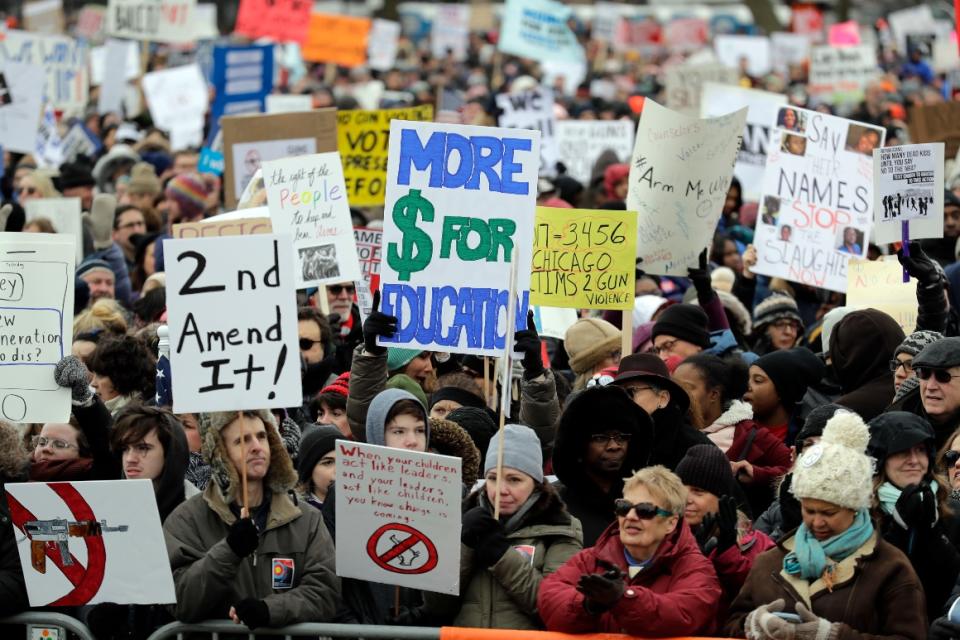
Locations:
{"points": [[878, 284], [249, 140], [369, 253], [242, 78], [580, 143], [21, 100], [382, 45], [63, 59], [36, 311], [450, 31], [403, 510], [245, 222], [64, 214], [839, 75], [459, 200], [88, 542], [735, 50], [43, 16], [817, 206], [152, 20], [363, 137], [584, 259], [788, 49], [533, 110], [308, 201], [177, 97], [937, 123], [233, 323], [679, 176], [277, 103], [282, 20], [336, 39], [684, 84], [538, 29], [719, 99], [909, 190]]}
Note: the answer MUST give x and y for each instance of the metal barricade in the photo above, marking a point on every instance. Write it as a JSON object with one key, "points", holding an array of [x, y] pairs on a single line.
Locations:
{"points": [[50, 619], [314, 629]]}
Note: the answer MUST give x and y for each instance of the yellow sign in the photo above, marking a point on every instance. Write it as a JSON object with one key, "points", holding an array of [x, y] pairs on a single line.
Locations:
{"points": [[584, 259], [878, 284]]}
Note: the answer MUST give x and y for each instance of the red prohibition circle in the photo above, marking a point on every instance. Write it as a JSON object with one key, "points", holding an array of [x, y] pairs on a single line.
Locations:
{"points": [[416, 537]]}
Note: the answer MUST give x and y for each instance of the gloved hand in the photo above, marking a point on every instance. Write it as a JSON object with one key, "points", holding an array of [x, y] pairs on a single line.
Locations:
{"points": [[943, 629], [528, 341], [70, 372], [917, 507], [706, 534], [726, 524], [700, 276], [251, 612], [413, 617], [335, 323], [484, 534], [107, 618], [601, 590], [762, 624], [813, 627], [377, 324], [101, 215], [919, 265], [243, 537]]}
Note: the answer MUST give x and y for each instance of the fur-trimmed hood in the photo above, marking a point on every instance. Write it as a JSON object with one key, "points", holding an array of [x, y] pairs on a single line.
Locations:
{"points": [[281, 477], [450, 439], [735, 414]]}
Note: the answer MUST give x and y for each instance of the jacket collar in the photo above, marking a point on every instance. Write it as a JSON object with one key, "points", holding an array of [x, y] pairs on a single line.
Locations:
{"points": [[282, 509], [843, 571], [736, 413]]}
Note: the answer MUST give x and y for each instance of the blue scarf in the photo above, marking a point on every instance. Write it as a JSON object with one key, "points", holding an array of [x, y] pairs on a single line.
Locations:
{"points": [[888, 495], [809, 556]]}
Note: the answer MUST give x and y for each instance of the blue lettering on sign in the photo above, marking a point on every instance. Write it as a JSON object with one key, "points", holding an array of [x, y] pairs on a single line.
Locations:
{"points": [[475, 314], [474, 156]]}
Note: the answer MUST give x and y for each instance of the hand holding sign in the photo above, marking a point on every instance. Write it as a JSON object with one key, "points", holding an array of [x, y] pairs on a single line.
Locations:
{"points": [[377, 324]]}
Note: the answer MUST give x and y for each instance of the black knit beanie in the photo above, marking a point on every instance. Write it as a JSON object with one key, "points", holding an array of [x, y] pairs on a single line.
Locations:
{"points": [[685, 322], [706, 466], [317, 443], [478, 423], [792, 371]]}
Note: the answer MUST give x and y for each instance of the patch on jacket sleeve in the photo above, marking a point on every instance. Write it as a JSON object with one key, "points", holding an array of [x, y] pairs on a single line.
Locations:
{"points": [[527, 550], [282, 572]]}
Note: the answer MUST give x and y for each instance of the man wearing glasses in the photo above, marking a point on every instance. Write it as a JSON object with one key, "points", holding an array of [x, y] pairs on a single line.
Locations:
{"points": [[938, 399]]}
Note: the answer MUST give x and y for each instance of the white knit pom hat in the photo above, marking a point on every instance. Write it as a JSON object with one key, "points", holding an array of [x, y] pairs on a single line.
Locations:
{"points": [[837, 469]]}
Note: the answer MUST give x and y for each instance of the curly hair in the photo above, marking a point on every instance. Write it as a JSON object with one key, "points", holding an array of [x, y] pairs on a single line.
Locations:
{"points": [[128, 363], [14, 458]]}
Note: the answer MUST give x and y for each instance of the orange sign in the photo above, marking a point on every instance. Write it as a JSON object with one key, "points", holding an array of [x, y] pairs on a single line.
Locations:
{"points": [[338, 39]]}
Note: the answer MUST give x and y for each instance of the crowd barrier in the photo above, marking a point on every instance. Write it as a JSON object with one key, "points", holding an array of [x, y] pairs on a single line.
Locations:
{"points": [[48, 619]]}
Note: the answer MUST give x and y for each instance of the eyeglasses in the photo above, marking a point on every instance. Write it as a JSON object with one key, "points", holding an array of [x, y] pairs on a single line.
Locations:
{"points": [[131, 225], [941, 375], [633, 391], [786, 324], [42, 441], [950, 458], [605, 438], [336, 289], [306, 343], [666, 345], [896, 364], [644, 510]]}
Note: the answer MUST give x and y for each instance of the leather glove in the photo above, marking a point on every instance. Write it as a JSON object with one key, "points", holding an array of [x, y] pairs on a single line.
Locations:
{"points": [[335, 324], [917, 507], [484, 534], [243, 537], [705, 534], [813, 627], [919, 265], [601, 591], [726, 524], [700, 276], [762, 624], [528, 342], [943, 629], [253, 613], [377, 324], [70, 372]]}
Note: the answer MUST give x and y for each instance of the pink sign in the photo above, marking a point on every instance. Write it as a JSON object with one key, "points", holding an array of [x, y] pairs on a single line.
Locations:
{"points": [[844, 34]]}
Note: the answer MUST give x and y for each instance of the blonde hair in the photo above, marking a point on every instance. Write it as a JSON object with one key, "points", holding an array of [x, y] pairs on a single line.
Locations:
{"points": [[41, 225], [663, 484], [104, 315], [44, 183]]}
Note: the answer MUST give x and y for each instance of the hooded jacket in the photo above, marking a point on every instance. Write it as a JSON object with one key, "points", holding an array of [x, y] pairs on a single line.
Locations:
{"points": [[677, 594], [209, 577], [13, 468], [861, 346], [673, 435], [169, 487]]}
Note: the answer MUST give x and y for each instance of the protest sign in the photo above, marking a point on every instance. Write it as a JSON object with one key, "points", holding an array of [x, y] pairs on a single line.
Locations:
{"points": [[233, 328], [788, 49], [336, 39], [685, 34], [245, 222], [736, 50], [177, 97], [369, 253], [49, 149], [43, 16], [844, 34], [580, 143], [807, 19], [382, 45], [917, 19], [538, 29], [277, 103], [83, 543], [679, 176], [130, 63], [533, 110], [584, 259], [242, 79], [606, 20], [363, 138], [684, 84], [719, 99], [450, 31], [90, 22], [553, 322], [946, 56], [878, 284], [308, 201], [63, 213], [113, 85], [638, 33], [63, 59], [839, 75], [21, 99], [403, 508], [817, 205], [77, 140], [937, 123], [459, 200], [281, 20], [168, 21], [909, 190], [36, 300], [205, 22], [249, 140]]}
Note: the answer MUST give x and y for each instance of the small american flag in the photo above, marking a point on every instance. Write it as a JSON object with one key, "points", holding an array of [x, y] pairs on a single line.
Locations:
{"points": [[164, 397]]}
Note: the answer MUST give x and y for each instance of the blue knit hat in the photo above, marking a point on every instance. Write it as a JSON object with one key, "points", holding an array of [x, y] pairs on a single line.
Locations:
{"points": [[398, 358]]}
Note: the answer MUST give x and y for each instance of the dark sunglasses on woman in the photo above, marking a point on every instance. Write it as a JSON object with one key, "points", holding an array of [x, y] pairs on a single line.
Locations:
{"points": [[644, 510]]}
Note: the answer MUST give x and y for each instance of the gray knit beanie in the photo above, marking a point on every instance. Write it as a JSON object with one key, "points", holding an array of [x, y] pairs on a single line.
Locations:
{"points": [[521, 451], [916, 341]]}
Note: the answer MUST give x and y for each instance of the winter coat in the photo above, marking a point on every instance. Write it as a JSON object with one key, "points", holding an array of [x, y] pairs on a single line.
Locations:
{"points": [[540, 408], [861, 346], [13, 592], [913, 403], [875, 593], [210, 578], [676, 595], [505, 595], [368, 377], [95, 422], [673, 435]]}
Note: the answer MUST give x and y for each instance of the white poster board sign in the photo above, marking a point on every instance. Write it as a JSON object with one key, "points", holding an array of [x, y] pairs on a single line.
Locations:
{"points": [[788, 49], [232, 315], [284, 103], [114, 85], [383, 43], [839, 75], [450, 31], [533, 110], [684, 84], [98, 541], [64, 214], [177, 97], [21, 100], [398, 517], [909, 189], [580, 143], [170, 21], [749, 52], [64, 63]]}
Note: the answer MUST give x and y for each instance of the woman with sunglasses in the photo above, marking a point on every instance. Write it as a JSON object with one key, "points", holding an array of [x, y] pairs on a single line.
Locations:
{"points": [[645, 576], [911, 502], [835, 577]]}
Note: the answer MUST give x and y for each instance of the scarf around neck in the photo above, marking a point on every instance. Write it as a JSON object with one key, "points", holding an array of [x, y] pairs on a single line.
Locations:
{"points": [[888, 495], [809, 558]]}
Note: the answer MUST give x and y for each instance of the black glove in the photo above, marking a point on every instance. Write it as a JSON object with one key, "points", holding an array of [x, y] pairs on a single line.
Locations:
{"points": [[943, 629], [601, 590], [108, 620], [919, 265], [706, 534], [484, 534], [377, 324], [528, 341], [253, 613], [243, 537], [917, 507], [700, 277], [413, 617], [335, 323], [726, 524]]}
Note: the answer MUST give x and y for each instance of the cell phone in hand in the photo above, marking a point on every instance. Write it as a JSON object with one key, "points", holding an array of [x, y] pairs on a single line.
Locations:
{"points": [[789, 617]]}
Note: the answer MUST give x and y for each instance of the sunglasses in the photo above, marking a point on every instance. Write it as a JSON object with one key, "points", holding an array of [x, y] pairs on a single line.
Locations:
{"points": [[644, 510], [336, 289], [940, 375], [30, 191], [306, 343], [950, 458]]}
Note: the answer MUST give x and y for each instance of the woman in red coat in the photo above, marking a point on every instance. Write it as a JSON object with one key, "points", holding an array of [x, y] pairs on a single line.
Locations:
{"points": [[644, 577]]}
